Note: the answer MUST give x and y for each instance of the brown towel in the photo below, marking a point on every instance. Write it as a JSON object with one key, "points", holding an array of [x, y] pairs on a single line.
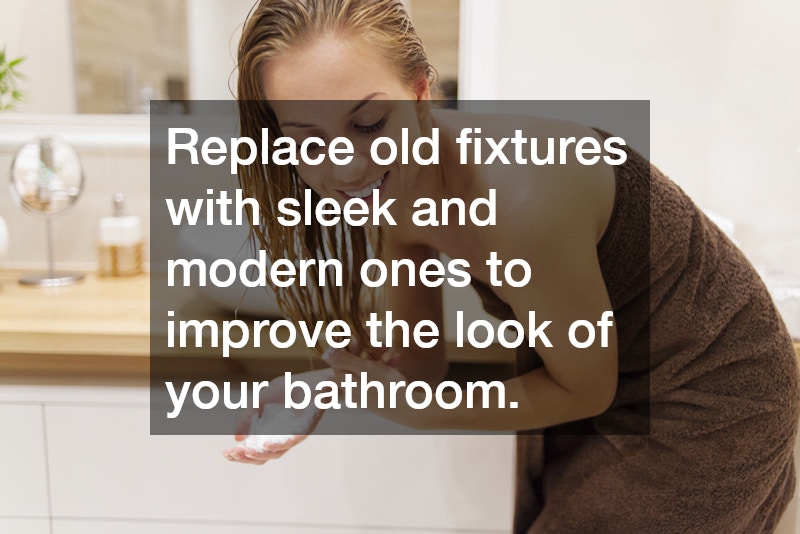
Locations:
{"points": [[705, 362]]}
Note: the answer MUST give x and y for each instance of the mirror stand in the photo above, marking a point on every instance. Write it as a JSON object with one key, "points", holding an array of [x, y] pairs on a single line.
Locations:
{"points": [[46, 180], [50, 278]]}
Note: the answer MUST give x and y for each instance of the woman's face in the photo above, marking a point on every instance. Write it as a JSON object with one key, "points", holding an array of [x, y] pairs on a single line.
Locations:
{"points": [[343, 87]]}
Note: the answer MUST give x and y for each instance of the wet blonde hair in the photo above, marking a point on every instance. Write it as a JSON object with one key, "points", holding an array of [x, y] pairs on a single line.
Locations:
{"points": [[272, 28]]}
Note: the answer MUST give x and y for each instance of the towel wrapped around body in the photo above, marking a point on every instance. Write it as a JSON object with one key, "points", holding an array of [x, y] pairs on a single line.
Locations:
{"points": [[701, 433]]}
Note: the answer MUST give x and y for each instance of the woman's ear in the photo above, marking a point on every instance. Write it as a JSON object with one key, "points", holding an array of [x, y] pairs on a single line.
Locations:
{"points": [[422, 87]]}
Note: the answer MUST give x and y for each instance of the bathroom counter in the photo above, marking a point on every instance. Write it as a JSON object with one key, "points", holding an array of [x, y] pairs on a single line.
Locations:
{"points": [[98, 324], [101, 327]]}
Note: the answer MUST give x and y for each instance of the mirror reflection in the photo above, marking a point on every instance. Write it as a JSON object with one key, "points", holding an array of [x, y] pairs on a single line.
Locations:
{"points": [[113, 57], [128, 53]]}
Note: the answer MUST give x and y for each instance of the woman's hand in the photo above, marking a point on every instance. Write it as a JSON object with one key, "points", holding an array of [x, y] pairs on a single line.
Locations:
{"points": [[274, 395], [249, 453]]}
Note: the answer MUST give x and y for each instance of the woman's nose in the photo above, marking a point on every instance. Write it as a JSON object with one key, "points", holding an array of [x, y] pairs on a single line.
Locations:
{"points": [[353, 172]]}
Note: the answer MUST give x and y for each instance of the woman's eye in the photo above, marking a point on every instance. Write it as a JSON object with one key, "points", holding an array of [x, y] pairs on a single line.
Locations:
{"points": [[311, 146], [372, 127]]}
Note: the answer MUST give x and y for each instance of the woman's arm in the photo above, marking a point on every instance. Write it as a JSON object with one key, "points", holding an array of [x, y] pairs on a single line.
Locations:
{"points": [[573, 384], [554, 223], [414, 304]]}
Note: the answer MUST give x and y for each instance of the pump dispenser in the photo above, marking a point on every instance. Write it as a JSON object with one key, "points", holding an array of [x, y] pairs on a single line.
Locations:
{"points": [[120, 246]]}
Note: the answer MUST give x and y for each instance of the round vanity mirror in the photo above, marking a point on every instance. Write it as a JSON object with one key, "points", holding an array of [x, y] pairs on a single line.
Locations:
{"points": [[46, 180]]}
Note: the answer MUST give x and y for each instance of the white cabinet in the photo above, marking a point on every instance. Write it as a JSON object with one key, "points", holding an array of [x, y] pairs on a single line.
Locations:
{"points": [[99, 470], [25, 526], [23, 466], [61, 526]]}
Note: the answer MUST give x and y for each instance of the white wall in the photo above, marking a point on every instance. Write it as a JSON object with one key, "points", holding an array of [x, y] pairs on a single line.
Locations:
{"points": [[114, 151], [40, 31], [214, 30], [722, 76]]}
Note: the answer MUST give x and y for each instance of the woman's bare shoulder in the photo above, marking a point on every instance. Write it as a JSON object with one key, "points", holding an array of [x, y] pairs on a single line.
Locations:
{"points": [[539, 201]]}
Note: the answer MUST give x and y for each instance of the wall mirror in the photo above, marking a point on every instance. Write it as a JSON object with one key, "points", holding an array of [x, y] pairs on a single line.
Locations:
{"points": [[111, 56]]}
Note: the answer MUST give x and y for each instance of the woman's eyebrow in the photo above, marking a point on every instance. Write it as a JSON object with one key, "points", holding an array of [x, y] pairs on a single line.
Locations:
{"points": [[364, 101], [352, 111], [296, 125]]}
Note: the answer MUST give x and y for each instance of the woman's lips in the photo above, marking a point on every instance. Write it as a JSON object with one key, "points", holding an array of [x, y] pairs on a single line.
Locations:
{"points": [[366, 193]]}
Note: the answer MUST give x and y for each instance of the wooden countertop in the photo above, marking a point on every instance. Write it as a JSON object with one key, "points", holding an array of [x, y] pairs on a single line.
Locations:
{"points": [[101, 326], [97, 325]]}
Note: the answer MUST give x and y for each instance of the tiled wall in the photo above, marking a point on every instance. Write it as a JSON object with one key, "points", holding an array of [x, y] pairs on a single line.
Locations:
{"points": [[115, 155]]}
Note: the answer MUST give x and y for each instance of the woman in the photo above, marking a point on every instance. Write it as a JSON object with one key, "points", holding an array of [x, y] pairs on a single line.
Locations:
{"points": [[684, 422]]}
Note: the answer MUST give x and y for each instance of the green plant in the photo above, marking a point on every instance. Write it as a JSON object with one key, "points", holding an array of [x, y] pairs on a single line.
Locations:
{"points": [[10, 93]]}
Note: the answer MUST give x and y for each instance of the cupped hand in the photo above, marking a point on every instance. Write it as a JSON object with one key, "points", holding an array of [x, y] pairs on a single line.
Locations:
{"points": [[341, 361], [273, 396], [250, 451]]}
